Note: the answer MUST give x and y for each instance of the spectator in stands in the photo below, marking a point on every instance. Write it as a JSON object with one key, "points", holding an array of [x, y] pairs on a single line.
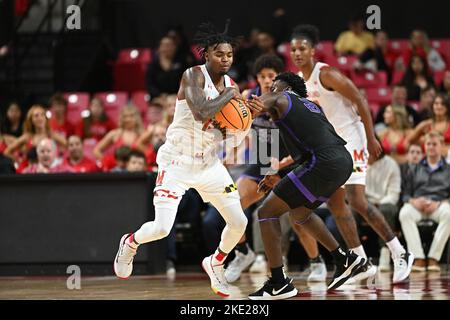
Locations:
{"points": [[6, 164], [355, 40], [379, 58], [150, 141], [155, 112], [420, 45], [136, 161], [395, 138], [398, 101], [417, 77], [97, 124], [426, 195], [414, 156], [165, 71], [425, 107], [383, 186], [130, 129], [440, 122], [47, 159], [184, 52], [445, 86], [36, 127], [58, 121], [12, 123], [76, 159], [121, 157]]}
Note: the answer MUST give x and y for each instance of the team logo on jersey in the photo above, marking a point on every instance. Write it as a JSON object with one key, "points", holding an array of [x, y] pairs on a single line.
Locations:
{"points": [[230, 188]]}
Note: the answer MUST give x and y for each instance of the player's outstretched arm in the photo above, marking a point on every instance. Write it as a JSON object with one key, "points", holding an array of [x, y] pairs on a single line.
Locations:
{"points": [[193, 81], [269, 101], [334, 80]]}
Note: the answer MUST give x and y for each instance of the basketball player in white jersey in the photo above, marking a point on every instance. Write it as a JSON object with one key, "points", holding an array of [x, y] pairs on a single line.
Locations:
{"points": [[349, 114], [189, 159]]}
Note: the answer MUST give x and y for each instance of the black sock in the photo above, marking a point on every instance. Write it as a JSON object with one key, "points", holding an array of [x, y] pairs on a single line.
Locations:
{"points": [[242, 247], [278, 275], [338, 255], [317, 259]]}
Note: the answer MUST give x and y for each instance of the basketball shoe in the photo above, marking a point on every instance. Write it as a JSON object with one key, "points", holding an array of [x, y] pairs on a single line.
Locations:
{"points": [[238, 265], [275, 291], [216, 274], [345, 268], [123, 263]]}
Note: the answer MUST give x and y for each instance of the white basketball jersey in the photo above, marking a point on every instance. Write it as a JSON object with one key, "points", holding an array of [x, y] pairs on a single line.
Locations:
{"points": [[186, 138], [339, 110]]}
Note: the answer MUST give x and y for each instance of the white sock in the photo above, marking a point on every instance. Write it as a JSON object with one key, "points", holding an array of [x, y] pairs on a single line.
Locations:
{"points": [[360, 251], [395, 247]]}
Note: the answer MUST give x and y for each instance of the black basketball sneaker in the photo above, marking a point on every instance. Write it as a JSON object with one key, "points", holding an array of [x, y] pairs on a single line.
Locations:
{"points": [[345, 269], [275, 291]]}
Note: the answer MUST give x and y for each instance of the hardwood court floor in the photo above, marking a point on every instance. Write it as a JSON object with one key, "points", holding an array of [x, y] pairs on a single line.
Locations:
{"points": [[188, 286]]}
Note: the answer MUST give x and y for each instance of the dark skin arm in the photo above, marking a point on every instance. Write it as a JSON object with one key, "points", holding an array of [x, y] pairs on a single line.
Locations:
{"points": [[333, 80], [191, 89]]}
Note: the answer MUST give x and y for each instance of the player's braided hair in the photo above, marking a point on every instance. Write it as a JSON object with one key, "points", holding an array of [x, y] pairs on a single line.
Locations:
{"points": [[294, 81], [307, 31], [208, 36]]}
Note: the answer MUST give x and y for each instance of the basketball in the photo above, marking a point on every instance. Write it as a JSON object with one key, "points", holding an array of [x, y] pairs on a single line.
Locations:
{"points": [[235, 115]]}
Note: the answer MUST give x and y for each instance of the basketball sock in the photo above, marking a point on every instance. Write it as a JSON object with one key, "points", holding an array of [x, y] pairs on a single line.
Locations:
{"points": [[395, 247], [359, 251], [338, 255], [132, 242], [218, 257], [242, 247], [278, 275]]}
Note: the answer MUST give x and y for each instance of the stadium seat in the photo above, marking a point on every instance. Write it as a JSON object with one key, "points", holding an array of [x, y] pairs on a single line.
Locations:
{"points": [[130, 68], [399, 44], [324, 49], [439, 77], [344, 63], [367, 79], [140, 99], [381, 95], [76, 103], [397, 77], [113, 103]]}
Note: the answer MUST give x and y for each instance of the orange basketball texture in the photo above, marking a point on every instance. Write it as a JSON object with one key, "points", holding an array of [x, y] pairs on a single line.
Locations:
{"points": [[235, 115]]}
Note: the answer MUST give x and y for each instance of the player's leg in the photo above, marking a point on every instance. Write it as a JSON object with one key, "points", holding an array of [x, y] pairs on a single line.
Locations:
{"points": [[245, 256], [402, 260], [167, 196], [318, 270]]}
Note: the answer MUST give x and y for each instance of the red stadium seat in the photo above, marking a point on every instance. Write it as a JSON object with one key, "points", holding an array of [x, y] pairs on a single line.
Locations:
{"points": [[399, 44], [381, 95], [76, 103], [113, 103], [140, 99], [324, 49], [439, 77], [130, 68], [344, 63], [397, 77], [367, 79]]}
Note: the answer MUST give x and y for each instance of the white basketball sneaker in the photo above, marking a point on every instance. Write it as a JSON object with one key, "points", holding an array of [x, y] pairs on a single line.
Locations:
{"points": [[260, 265], [238, 265], [402, 266], [216, 274], [318, 271], [123, 263]]}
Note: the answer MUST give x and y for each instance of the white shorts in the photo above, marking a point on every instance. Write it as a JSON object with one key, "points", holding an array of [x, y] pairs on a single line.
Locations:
{"points": [[355, 136], [212, 181]]}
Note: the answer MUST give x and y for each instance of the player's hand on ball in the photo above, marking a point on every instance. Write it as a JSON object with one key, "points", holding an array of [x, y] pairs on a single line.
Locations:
{"points": [[268, 183], [255, 105]]}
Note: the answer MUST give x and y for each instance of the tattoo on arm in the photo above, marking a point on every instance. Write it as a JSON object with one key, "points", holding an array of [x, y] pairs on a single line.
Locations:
{"points": [[202, 109]]}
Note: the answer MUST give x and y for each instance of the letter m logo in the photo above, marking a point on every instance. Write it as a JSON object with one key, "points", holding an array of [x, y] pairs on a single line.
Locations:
{"points": [[358, 155]]}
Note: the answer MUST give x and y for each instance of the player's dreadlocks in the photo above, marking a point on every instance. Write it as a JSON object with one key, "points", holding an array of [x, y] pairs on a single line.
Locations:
{"points": [[208, 36], [294, 81], [307, 31]]}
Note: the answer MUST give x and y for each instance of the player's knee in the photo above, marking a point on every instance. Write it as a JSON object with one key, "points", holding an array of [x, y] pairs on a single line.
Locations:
{"points": [[239, 224]]}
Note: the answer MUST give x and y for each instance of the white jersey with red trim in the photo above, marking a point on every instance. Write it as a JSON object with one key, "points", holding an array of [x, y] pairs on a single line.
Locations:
{"points": [[339, 110], [187, 140]]}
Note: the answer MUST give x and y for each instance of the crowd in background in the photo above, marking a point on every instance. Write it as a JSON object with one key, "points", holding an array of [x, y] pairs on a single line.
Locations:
{"points": [[40, 139]]}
